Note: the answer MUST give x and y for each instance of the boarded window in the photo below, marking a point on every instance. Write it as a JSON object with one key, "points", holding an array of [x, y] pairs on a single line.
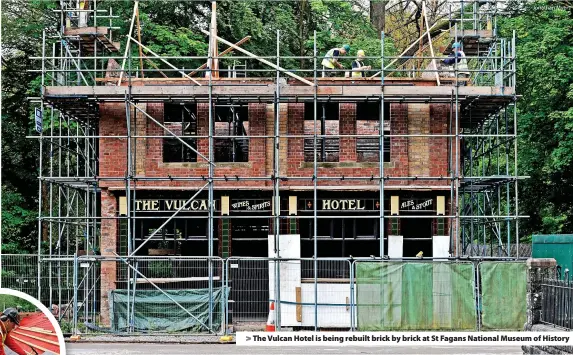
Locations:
{"points": [[368, 123]]}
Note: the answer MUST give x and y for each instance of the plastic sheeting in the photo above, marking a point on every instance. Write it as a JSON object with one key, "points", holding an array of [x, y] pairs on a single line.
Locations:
{"points": [[415, 296], [503, 289], [156, 312]]}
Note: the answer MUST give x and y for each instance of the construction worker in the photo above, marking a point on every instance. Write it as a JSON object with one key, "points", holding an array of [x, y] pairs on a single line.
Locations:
{"points": [[358, 66], [458, 57], [9, 320], [330, 61]]}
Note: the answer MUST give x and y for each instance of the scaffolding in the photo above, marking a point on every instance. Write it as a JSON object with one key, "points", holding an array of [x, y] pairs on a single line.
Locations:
{"points": [[83, 68]]}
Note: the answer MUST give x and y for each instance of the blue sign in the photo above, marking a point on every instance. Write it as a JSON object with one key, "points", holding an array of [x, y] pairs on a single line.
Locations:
{"points": [[39, 120]]}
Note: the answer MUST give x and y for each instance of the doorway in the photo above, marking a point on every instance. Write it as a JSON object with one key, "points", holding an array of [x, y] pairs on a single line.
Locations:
{"points": [[417, 233]]}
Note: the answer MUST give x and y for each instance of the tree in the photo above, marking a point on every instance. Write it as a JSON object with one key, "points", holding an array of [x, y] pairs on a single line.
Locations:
{"points": [[378, 14], [23, 23], [545, 115]]}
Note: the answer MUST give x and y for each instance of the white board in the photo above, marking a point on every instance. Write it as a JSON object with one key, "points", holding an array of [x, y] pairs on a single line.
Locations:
{"points": [[289, 275], [395, 246], [441, 246], [335, 316]]}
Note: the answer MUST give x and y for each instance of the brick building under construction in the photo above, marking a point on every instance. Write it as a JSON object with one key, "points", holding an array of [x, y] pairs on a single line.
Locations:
{"points": [[230, 167]]}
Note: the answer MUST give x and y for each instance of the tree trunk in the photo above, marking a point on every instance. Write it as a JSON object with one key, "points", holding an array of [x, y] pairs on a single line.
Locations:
{"points": [[378, 15]]}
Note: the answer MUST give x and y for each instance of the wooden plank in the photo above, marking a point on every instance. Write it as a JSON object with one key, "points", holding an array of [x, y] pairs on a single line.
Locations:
{"points": [[38, 338], [139, 38], [100, 30], [425, 14], [261, 60], [164, 280], [38, 330], [31, 344], [163, 60], [471, 33], [161, 252], [298, 300], [127, 45], [153, 65], [226, 51]]}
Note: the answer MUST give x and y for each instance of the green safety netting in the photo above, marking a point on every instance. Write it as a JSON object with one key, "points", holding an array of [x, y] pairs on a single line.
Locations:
{"points": [[154, 311], [503, 289], [415, 296]]}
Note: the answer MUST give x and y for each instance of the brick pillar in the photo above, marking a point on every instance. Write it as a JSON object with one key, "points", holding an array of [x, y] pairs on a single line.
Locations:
{"points": [[203, 130], [138, 145], [154, 147], [108, 245], [537, 270], [347, 126], [295, 153], [439, 148], [257, 146], [269, 144], [112, 151], [283, 147], [418, 154], [270, 131], [399, 145]]}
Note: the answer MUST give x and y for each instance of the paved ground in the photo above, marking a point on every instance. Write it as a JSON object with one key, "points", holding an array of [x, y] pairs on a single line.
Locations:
{"points": [[228, 349]]}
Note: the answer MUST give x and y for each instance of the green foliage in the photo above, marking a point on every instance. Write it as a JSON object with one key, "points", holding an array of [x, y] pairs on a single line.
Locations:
{"points": [[8, 301], [545, 117], [159, 268], [17, 219]]}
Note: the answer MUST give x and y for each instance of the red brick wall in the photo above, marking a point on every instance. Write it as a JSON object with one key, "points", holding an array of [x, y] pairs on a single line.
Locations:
{"points": [[439, 148], [347, 126], [108, 244], [113, 160], [295, 126]]}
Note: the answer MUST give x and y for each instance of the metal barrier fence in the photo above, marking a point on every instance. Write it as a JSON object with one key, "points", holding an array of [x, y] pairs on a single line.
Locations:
{"points": [[201, 295], [557, 301]]}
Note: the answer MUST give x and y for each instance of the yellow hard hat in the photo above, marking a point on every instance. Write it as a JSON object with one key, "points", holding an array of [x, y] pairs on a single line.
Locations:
{"points": [[360, 53]]}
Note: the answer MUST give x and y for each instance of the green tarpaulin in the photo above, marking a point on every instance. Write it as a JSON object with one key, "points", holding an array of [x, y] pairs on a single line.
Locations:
{"points": [[503, 289], [154, 311], [415, 296]]}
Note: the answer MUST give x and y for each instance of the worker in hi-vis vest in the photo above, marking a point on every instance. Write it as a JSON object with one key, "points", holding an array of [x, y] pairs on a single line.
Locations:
{"points": [[9, 320], [458, 58], [330, 61], [358, 66]]}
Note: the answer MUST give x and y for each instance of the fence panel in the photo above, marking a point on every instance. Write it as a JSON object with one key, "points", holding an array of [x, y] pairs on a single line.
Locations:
{"points": [[253, 288], [503, 289], [248, 281], [415, 296], [332, 293], [557, 301], [20, 272], [168, 294]]}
